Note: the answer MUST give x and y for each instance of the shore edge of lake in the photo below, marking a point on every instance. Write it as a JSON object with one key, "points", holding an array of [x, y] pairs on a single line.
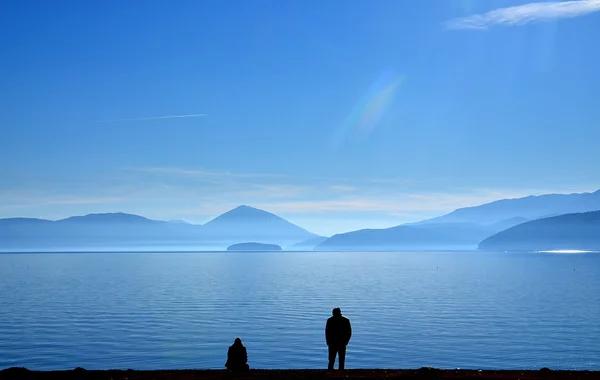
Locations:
{"points": [[293, 374]]}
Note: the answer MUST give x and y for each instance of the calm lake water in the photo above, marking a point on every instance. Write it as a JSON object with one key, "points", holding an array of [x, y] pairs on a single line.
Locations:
{"points": [[408, 310]]}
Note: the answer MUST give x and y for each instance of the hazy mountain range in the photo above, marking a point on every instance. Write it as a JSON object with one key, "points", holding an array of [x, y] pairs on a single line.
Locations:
{"points": [[496, 225], [579, 231], [307, 245], [466, 227], [531, 207], [119, 230], [432, 236]]}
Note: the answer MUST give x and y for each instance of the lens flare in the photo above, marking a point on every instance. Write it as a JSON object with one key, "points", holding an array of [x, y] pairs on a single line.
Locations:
{"points": [[369, 110]]}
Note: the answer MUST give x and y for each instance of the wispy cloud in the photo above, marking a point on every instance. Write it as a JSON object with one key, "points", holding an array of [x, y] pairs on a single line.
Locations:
{"points": [[342, 188], [29, 202], [391, 181], [392, 203], [275, 191], [153, 118], [338, 184], [201, 173], [334, 214], [200, 194], [523, 14]]}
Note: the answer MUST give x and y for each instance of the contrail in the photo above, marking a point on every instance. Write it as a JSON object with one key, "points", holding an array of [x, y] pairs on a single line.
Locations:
{"points": [[153, 118]]}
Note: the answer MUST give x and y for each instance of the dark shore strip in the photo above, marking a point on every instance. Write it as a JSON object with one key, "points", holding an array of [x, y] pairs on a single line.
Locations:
{"points": [[421, 374]]}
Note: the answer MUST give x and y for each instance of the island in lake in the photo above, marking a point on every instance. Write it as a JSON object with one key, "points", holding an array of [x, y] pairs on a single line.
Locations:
{"points": [[254, 247]]}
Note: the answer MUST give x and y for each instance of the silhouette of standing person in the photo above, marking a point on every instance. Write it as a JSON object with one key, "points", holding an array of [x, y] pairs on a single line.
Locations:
{"points": [[337, 334], [237, 357]]}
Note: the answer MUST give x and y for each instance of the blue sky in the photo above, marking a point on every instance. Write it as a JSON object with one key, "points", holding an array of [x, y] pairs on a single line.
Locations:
{"points": [[337, 115]]}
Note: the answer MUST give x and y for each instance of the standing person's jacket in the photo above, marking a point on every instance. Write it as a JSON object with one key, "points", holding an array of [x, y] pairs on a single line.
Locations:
{"points": [[338, 331]]}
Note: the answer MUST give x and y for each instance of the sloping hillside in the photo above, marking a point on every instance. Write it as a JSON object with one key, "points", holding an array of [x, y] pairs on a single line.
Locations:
{"points": [[579, 231]]}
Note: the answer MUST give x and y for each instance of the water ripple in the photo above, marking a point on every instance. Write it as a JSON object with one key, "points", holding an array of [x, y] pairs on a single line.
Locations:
{"points": [[149, 311]]}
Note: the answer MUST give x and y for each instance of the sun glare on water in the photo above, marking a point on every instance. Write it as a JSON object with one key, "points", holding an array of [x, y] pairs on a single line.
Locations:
{"points": [[566, 251]]}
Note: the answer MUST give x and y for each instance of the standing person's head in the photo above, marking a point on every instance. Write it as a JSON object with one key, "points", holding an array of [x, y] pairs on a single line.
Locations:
{"points": [[337, 312], [237, 341]]}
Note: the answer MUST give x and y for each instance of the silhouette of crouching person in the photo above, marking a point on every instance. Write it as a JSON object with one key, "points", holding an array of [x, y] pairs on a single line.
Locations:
{"points": [[338, 332], [237, 357]]}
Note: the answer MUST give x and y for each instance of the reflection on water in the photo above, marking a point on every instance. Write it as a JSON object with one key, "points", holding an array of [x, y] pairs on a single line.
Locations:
{"points": [[178, 310], [566, 251]]}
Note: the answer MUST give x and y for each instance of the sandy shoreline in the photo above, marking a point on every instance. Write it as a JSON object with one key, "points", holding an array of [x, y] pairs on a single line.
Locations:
{"points": [[423, 373]]}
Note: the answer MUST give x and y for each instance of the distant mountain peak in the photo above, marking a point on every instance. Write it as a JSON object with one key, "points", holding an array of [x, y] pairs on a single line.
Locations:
{"points": [[107, 217], [246, 208], [245, 211], [111, 214], [254, 225]]}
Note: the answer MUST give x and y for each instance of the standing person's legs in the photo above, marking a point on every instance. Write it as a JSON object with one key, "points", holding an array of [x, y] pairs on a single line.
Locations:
{"points": [[341, 356], [332, 351]]}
